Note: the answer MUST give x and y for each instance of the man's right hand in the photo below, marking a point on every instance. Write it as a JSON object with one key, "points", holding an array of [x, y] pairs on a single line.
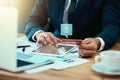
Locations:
{"points": [[47, 38]]}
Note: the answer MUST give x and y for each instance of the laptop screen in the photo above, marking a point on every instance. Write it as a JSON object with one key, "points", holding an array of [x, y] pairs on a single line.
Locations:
{"points": [[8, 37]]}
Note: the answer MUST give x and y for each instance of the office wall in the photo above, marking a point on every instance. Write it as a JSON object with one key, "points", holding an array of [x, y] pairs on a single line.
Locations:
{"points": [[24, 7]]}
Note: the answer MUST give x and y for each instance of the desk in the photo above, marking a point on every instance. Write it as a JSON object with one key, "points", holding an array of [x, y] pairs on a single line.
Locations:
{"points": [[81, 72]]}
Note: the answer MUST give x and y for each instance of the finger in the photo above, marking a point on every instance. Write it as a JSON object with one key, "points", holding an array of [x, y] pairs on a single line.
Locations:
{"points": [[86, 53], [59, 40], [41, 40], [55, 40], [88, 46], [86, 41], [48, 40]]}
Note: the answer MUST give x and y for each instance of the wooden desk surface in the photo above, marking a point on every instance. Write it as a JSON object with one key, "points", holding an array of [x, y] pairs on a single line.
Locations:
{"points": [[81, 72]]}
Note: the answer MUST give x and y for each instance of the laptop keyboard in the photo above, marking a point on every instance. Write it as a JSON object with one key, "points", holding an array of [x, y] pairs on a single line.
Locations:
{"points": [[22, 60], [21, 57], [22, 63]]}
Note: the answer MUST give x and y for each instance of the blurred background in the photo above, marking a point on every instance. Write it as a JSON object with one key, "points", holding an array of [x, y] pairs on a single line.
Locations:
{"points": [[24, 7]]}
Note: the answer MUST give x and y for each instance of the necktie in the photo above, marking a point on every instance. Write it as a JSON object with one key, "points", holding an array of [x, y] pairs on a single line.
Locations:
{"points": [[71, 10]]}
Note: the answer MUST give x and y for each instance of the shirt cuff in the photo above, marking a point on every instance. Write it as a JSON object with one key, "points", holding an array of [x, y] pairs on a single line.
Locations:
{"points": [[33, 37], [102, 43]]}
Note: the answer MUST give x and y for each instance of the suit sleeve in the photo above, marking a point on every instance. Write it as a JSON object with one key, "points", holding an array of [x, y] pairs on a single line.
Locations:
{"points": [[110, 23], [37, 19]]}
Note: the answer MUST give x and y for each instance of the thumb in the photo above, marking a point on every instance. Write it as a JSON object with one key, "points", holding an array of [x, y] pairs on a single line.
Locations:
{"points": [[86, 41]]}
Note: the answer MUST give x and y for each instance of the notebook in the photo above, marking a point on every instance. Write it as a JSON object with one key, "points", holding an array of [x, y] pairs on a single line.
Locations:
{"points": [[10, 59]]}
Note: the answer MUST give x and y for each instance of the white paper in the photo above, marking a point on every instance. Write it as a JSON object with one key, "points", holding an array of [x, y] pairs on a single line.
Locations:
{"points": [[24, 41], [63, 65], [59, 64]]}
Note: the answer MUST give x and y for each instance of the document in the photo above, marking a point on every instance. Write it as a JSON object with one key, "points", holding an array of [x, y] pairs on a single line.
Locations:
{"points": [[22, 41], [58, 65], [70, 59]]}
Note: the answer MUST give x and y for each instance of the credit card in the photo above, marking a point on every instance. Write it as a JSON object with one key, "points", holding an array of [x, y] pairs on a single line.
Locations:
{"points": [[72, 41]]}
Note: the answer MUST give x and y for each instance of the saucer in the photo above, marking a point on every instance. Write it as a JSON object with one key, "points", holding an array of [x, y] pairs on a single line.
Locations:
{"points": [[98, 67]]}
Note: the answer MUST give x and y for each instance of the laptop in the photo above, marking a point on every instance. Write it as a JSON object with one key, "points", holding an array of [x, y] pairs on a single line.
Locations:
{"points": [[10, 59]]}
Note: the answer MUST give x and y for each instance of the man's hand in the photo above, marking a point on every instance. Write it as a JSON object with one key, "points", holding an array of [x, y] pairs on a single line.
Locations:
{"points": [[46, 38], [89, 47]]}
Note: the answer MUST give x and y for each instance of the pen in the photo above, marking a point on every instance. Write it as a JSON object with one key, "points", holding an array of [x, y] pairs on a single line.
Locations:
{"points": [[23, 46]]}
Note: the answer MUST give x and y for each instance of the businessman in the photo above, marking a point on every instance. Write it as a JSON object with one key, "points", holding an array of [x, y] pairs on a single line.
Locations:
{"points": [[97, 22]]}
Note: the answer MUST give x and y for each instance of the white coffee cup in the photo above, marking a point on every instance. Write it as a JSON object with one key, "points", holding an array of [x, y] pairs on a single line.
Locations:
{"points": [[110, 59]]}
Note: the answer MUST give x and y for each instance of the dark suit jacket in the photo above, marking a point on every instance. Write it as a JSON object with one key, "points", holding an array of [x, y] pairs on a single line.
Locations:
{"points": [[92, 18]]}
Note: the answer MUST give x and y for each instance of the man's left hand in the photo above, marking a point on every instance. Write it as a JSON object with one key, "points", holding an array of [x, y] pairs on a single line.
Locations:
{"points": [[89, 47]]}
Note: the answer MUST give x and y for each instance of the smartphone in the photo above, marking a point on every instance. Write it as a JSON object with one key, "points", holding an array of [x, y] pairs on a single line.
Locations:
{"points": [[55, 50]]}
